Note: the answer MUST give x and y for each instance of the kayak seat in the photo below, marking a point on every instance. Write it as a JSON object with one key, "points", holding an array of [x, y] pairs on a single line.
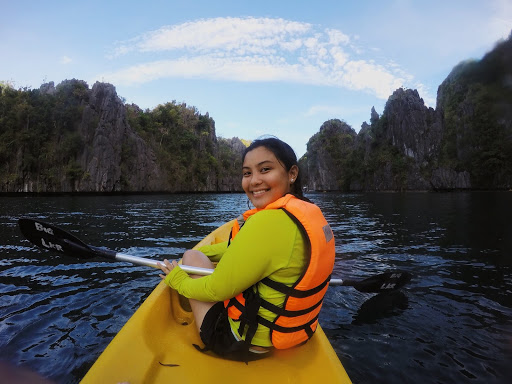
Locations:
{"points": [[181, 310]]}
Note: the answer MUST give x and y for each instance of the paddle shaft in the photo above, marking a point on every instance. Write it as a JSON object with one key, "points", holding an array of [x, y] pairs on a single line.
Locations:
{"points": [[153, 263], [52, 238], [379, 283]]}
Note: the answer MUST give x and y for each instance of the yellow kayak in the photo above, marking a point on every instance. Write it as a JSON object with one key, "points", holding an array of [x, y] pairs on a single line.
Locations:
{"points": [[155, 346]]}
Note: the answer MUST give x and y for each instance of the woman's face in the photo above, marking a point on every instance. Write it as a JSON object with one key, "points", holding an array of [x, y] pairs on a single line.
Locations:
{"points": [[264, 178]]}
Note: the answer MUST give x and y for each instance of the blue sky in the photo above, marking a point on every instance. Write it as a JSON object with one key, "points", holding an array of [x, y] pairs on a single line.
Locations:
{"points": [[257, 67]]}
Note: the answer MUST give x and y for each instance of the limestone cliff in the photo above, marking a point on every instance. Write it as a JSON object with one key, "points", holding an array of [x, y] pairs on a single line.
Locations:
{"points": [[114, 158], [70, 138], [325, 165], [465, 143]]}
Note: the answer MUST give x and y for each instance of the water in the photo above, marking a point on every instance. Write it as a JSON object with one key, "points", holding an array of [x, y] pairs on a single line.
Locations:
{"points": [[451, 324]]}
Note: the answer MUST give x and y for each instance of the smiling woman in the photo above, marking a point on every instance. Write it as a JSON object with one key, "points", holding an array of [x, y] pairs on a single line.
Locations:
{"points": [[265, 178], [262, 295]]}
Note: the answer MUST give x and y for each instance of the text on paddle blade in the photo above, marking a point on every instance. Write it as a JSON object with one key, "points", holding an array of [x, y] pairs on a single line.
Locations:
{"points": [[51, 245], [42, 228]]}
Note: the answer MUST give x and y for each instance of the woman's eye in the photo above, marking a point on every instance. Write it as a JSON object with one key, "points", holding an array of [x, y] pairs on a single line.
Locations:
{"points": [[265, 169], [245, 174]]}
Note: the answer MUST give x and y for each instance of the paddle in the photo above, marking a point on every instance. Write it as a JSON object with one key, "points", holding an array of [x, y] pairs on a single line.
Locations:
{"points": [[52, 238]]}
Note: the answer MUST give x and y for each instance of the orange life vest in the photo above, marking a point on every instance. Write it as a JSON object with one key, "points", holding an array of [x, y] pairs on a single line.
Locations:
{"points": [[297, 320]]}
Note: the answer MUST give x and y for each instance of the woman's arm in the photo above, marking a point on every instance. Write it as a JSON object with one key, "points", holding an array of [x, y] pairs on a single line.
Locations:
{"points": [[263, 246], [215, 251]]}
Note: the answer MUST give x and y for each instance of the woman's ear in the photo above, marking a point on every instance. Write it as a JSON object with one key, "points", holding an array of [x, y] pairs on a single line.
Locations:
{"points": [[293, 173]]}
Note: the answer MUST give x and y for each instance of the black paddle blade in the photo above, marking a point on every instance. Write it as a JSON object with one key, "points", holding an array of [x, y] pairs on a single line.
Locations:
{"points": [[52, 238], [384, 282]]}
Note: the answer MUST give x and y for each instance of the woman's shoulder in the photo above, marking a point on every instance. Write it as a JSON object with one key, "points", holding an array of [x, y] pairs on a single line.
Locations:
{"points": [[270, 214], [270, 218]]}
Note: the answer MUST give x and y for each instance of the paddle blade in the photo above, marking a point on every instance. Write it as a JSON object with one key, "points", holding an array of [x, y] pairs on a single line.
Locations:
{"points": [[384, 282], [52, 238]]}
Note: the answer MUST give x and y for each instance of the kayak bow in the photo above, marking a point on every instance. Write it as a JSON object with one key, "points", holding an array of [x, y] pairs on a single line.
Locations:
{"points": [[155, 346]]}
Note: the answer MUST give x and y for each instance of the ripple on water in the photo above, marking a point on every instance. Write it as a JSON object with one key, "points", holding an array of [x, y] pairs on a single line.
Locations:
{"points": [[451, 324]]}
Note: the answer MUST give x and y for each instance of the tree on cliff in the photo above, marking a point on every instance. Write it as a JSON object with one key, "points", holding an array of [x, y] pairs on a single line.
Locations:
{"points": [[38, 135], [327, 163], [477, 102], [72, 138], [466, 143]]}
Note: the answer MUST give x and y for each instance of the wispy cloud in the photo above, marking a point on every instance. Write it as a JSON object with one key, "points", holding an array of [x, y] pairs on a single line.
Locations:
{"points": [[242, 36], [501, 23], [65, 60], [255, 50]]}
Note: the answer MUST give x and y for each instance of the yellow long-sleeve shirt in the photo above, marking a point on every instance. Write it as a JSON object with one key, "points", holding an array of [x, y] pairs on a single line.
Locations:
{"points": [[269, 245]]}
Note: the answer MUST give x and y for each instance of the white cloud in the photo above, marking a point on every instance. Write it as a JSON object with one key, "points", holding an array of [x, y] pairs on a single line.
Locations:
{"points": [[243, 69], [255, 50], [337, 37], [501, 22], [361, 75], [65, 60], [225, 34], [339, 56]]}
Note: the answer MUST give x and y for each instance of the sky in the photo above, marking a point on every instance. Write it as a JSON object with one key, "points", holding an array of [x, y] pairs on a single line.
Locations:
{"points": [[257, 67]]}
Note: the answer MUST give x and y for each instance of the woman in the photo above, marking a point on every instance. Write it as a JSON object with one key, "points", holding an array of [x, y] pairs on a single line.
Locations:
{"points": [[267, 288]]}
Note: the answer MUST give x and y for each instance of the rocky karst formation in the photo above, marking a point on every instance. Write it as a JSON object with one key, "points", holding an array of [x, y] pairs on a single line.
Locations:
{"points": [[114, 157], [465, 143], [72, 138]]}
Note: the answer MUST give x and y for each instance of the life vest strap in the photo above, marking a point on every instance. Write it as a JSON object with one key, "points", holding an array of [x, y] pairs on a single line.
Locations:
{"points": [[274, 326], [293, 292], [249, 316], [279, 328], [286, 312], [277, 310]]}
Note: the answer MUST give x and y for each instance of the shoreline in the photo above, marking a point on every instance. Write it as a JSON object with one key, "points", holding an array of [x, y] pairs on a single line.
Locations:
{"points": [[154, 193]]}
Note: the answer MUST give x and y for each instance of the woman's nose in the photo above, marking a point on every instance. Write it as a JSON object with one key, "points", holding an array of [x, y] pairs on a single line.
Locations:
{"points": [[255, 179]]}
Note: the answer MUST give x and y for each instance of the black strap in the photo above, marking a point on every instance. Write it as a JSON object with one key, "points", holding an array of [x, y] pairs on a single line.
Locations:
{"points": [[279, 328], [241, 221], [288, 313], [249, 314], [289, 291], [272, 325], [230, 237]]}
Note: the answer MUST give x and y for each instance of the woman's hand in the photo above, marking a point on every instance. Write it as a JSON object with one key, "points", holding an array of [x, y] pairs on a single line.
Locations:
{"points": [[167, 267]]}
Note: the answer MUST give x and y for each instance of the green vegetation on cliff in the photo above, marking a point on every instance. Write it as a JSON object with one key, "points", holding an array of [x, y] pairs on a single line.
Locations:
{"points": [[332, 149], [183, 140], [38, 134], [72, 138], [466, 143], [477, 102]]}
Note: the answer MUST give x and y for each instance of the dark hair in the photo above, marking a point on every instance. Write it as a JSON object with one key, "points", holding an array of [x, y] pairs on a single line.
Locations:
{"points": [[284, 154]]}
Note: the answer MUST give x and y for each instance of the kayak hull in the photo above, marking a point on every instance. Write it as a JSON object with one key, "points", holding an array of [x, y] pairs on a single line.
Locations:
{"points": [[156, 346]]}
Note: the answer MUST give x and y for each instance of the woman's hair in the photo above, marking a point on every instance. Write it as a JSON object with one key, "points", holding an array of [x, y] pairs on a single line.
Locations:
{"points": [[284, 154]]}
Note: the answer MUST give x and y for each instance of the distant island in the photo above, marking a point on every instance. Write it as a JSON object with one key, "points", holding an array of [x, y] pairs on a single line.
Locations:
{"points": [[72, 138]]}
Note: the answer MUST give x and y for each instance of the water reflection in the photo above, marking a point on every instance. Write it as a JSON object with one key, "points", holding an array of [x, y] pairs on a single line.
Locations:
{"points": [[452, 323], [380, 306]]}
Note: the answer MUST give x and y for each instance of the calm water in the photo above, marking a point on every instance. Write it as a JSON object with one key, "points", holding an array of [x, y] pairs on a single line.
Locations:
{"points": [[451, 324]]}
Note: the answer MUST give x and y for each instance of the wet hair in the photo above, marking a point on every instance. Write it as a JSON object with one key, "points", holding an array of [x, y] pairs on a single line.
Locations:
{"points": [[284, 154]]}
